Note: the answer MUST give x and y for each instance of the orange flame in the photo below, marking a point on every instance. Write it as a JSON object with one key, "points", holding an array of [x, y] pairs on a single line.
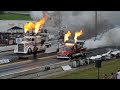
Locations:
{"points": [[78, 34], [39, 24], [66, 36], [35, 26], [29, 26]]}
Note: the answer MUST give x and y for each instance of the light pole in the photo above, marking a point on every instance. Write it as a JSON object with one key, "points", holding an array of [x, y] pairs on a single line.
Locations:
{"points": [[95, 25], [59, 28], [98, 72], [96, 14]]}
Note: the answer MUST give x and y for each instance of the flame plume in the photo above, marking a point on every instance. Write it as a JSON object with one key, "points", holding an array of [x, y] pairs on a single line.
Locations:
{"points": [[66, 36], [78, 34]]}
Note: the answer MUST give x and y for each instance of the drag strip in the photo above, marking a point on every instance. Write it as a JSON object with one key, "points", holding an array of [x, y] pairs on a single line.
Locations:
{"points": [[29, 65], [15, 57], [6, 53], [43, 59]]}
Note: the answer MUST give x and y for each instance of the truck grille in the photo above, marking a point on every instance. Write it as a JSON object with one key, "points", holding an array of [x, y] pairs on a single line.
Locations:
{"points": [[20, 47], [62, 55]]}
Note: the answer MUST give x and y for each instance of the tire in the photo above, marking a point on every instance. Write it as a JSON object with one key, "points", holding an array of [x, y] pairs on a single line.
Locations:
{"points": [[29, 51], [70, 57]]}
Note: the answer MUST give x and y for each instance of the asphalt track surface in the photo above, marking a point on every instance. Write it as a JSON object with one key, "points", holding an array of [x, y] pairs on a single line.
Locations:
{"points": [[29, 64], [43, 59]]}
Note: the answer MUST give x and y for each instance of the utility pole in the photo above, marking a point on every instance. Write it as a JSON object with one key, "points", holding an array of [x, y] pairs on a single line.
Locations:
{"points": [[98, 72], [95, 25], [96, 14], [59, 26]]}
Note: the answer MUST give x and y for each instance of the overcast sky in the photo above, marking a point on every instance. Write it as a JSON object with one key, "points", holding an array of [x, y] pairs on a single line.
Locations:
{"points": [[83, 16]]}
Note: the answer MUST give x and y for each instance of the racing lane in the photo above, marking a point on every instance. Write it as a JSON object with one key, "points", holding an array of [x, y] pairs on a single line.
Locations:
{"points": [[15, 57], [29, 65]]}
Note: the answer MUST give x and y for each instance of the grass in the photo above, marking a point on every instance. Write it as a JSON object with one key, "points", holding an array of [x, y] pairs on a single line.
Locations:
{"points": [[91, 73], [9, 16]]}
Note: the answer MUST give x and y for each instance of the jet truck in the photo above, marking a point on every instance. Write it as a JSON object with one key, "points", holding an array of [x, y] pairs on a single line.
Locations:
{"points": [[72, 50], [29, 41]]}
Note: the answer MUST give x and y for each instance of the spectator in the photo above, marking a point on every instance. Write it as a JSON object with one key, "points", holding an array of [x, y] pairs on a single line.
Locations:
{"points": [[118, 74], [113, 76], [35, 49], [105, 76]]}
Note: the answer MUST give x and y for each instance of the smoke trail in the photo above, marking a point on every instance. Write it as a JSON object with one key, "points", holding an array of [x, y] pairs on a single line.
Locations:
{"points": [[74, 20], [36, 15], [110, 38]]}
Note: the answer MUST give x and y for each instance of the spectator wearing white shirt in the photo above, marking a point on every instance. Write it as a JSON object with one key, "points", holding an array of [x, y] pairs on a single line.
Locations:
{"points": [[118, 74]]}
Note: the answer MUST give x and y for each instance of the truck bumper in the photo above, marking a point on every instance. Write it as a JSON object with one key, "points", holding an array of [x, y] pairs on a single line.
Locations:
{"points": [[60, 57], [20, 52]]}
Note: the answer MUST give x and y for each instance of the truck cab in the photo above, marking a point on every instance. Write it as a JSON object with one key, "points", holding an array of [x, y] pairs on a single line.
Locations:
{"points": [[26, 46]]}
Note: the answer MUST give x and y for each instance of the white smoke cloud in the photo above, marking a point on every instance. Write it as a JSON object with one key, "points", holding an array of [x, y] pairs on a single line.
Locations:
{"points": [[112, 16], [81, 17], [73, 20], [110, 38], [78, 20], [36, 15]]}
